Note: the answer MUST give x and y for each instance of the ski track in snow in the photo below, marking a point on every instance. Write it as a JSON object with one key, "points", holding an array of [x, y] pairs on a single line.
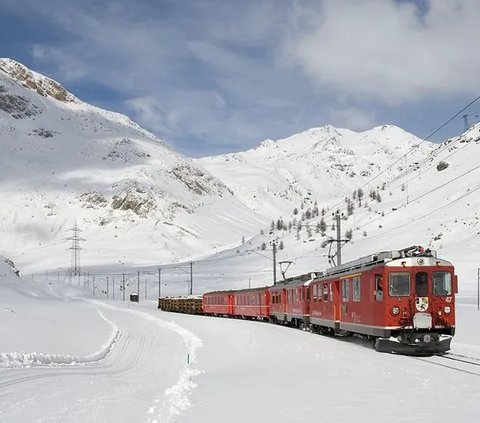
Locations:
{"points": [[35, 359], [175, 399]]}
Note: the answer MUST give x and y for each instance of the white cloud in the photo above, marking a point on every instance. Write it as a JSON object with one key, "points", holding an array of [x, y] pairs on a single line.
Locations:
{"points": [[70, 66], [386, 50], [353, 118]]}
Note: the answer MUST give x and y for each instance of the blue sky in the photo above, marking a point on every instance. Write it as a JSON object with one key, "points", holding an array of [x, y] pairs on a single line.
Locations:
{"points": [[215, 76]]}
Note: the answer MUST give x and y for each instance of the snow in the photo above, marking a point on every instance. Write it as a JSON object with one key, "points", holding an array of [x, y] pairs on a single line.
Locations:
{"points": [[132, 362]]}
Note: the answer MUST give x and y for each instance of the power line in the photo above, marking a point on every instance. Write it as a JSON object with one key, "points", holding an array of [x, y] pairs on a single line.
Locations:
{"points": [[417, 145]]}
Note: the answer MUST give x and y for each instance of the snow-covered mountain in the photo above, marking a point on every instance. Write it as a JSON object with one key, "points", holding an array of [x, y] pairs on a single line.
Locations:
{"points": [[65, 161], [137, 201], [319, 164]]}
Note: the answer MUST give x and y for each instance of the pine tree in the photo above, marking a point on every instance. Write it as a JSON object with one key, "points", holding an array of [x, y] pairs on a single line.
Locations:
{"points": [[350, 208], [323, 226], [264, 246], [281, 246], [309, 230], [279, 224]]}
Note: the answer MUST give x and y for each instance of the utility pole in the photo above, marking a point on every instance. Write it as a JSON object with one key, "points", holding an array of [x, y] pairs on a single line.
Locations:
{"points": [[75, 238], [339, 240], [123, 286], [191, 278], [113, 287], [465, 118], [274, 250], [159, 282], [93, 284], [138, 284]]}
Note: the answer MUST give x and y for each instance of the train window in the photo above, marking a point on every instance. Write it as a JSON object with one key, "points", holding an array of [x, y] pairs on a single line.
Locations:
{"points": [[331, 292], [315, 292], [325, 292], [399, 284], [345, 290], [442, 283], [421, 284], [356, 288]]}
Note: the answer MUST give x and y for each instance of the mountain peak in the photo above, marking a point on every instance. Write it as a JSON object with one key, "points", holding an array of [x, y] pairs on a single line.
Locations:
{"points": [[42, 85]]}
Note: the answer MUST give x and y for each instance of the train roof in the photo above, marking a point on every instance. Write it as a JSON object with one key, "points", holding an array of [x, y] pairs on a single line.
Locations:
{"points": [[412, 255], [422, 255]]}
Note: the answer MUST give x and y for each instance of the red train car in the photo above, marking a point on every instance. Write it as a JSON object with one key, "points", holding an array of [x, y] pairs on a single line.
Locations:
{"points": [[404, 299], [252, 303], [291, 301], [218, 303]]}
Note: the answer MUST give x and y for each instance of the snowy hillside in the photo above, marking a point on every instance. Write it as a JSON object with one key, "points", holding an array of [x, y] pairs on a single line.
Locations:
{"points": [[135, 199], [392, 189], [318, 164], [138, 202]]}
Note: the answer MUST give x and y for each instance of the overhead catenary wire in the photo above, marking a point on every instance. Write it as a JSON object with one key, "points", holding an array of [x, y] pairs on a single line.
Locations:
{"points": [[427, 214], [414, 147]]}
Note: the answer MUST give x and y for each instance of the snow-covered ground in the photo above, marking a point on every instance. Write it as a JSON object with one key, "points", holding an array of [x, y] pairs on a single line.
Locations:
{"points": [[66, 357]]}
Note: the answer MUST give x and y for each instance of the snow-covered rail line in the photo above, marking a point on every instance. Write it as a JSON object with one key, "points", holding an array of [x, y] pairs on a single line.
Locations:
{"points": [[457, 362]]}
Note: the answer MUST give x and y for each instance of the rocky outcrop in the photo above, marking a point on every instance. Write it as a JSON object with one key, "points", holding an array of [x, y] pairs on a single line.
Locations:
{"points": [[44, 86]]}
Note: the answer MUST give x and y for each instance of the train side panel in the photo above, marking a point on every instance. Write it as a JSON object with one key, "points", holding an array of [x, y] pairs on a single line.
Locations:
{"points": [[218, 303], [252, 303]]}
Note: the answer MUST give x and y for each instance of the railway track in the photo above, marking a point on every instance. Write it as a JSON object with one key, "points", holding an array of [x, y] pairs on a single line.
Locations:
{"points": [[458, 362]]}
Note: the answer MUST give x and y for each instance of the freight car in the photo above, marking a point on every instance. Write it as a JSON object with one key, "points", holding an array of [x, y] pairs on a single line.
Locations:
{"points": [[403, 300]]}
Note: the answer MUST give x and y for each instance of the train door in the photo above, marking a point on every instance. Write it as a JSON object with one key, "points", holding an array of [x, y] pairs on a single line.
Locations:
{"points": [[230, 305], [306, 300], [421, 291], [378, 288], [337, 306]]}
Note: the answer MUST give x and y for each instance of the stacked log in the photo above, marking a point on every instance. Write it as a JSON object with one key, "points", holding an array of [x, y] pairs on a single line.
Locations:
{"points": [[190, 305]]}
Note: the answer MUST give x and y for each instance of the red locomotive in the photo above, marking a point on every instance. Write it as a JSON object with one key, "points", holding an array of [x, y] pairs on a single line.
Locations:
{"points": [[402, 299]]}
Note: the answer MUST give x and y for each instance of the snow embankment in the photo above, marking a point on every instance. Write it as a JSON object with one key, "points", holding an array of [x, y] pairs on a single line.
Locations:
{"points": [[22, 359], [39, 328]]}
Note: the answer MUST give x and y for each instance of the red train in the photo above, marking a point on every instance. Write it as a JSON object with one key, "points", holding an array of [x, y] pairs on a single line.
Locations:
{"points": [[404, 300]]}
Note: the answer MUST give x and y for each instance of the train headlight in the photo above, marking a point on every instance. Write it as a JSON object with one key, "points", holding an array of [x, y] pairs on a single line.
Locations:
{"points": [[447, 309], [427, 338], [395, 310]]}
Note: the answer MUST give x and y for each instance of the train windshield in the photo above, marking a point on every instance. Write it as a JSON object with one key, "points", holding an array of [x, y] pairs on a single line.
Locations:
{"points": [[399, 284], [442, 283]]}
